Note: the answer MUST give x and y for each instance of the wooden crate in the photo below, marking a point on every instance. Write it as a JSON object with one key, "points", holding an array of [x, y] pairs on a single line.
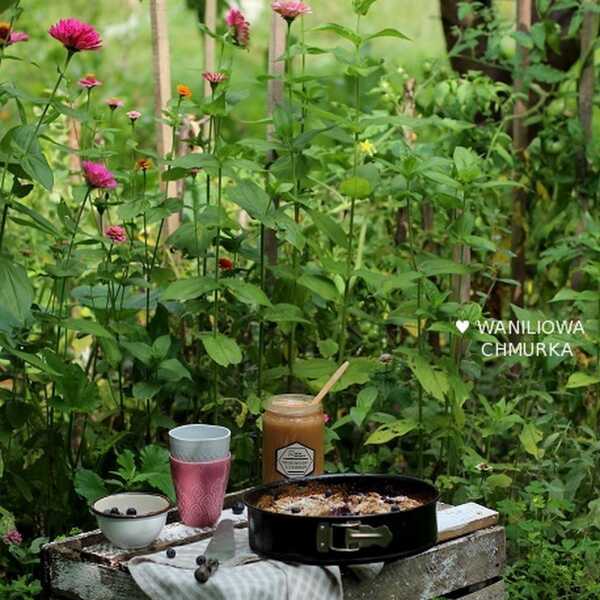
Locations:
{"points": [[467, 562]]}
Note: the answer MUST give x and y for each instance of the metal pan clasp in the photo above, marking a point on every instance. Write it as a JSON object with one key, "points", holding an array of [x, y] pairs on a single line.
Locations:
{"points": [[355, 536]]}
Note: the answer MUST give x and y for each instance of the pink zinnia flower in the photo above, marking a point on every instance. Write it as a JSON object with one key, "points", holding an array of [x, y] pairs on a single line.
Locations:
{"points": [[214, 78], [116, 234], [290, 10], [240, 28], [16, 37], [98, 176], [75, 35], [114, 103], [12, 537], [89, 81], [134, 115]]}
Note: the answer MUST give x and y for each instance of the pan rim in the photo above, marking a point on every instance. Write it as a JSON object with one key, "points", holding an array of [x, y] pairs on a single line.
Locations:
{"points": [[265, 488]]}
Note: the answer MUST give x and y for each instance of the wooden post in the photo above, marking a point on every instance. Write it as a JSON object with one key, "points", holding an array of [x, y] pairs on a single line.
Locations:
{"points": [[275, 97], [520, 140], [162, 91]]}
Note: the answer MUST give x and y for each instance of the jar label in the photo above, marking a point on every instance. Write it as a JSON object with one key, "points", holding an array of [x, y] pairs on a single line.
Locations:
{"points": [[295, 460]]}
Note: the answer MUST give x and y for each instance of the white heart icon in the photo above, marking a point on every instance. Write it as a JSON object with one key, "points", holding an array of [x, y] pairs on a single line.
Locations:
{"points": [[462, 326]]}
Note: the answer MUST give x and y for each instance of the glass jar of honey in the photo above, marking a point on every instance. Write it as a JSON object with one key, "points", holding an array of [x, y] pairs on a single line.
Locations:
{"points": [[293, 438]]}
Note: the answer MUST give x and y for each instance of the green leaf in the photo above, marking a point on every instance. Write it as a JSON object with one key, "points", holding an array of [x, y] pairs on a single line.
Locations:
{"points": [[498, 480], [89, 485], [341, 31], [76, 393], [253, 199], [434, 381], [223, 350], [195, 160], [16, 296], [327, 348], [530, 437], [387, 32], [466, 163], [246, 292], [284, 313], [356, 187], [20, 143], [320, 285], [126, 462], [391, 431], [313, 368], [441, 178], [580, 379], [188, 289], [567, 294], [145, 390], [401, 281], [161, 346], [364, 403], [329, 227], [139, 350], [361, 7], [88, 327], [172, 370], [545, 73], [443, 266], [156, 470]]}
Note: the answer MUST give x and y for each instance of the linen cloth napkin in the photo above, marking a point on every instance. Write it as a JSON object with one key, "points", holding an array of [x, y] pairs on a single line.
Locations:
{"points": [[245, 577]]}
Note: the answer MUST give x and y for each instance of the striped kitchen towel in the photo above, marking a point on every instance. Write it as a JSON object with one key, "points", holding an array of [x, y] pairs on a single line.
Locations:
{"points": [[245, 577]]}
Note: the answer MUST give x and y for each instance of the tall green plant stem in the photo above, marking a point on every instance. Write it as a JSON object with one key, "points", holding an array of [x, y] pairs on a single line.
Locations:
{"points": [[61, 75], [413, 257], [350, 249]]}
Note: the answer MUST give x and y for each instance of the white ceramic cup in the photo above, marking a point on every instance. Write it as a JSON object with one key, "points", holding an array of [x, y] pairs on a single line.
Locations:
{"points": [[132, 531], [199, 442]]}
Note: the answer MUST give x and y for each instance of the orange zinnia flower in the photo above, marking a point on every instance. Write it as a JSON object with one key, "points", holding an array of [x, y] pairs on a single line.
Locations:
{"points": [[144, 164], [184, 91]]}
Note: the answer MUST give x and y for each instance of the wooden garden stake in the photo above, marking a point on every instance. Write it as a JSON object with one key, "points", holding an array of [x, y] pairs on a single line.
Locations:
{"points": [[520, 139], [274, 98], [162, 91]]}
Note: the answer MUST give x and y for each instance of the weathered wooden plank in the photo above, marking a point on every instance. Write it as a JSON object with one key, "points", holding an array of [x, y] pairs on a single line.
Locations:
{"points": [[447, 567], [496, 591], [466, 518]]}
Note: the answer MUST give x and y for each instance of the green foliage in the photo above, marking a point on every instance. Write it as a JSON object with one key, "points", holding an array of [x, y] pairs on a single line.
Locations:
{"points": [[348, 232]]}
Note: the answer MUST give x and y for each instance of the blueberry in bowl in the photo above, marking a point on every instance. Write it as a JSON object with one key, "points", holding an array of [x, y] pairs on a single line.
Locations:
{"points": [[131, 519]]}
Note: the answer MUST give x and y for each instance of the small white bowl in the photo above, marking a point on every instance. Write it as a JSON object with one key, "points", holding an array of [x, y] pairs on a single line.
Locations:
{"points": [[132, 531], [199, 442]]}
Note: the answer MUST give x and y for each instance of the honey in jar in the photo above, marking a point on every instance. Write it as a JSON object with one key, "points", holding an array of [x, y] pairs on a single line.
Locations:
{"points": [[293, 438]]}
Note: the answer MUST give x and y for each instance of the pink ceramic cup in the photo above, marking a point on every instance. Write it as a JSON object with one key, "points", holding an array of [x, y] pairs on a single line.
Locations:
{"points": [[200, 489]]}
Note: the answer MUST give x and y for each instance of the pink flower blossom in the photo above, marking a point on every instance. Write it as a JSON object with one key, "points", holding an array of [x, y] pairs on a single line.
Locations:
{"points": [[12, 537], [89, 81], [114, 103], [76, 35], [16, 37], [116, 234], [98, 176], [134, 115], [214, 78], [290, 10], [240, 28], [326, 418]]}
